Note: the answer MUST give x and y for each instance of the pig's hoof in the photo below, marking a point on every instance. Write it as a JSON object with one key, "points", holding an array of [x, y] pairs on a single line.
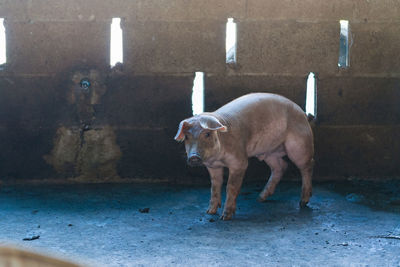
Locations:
{"points": [[226, 216], [260, 199], [212, 210], [303, 204]]}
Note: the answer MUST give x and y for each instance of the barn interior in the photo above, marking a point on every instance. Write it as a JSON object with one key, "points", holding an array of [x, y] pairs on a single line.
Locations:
{"points": [[92, 93]]}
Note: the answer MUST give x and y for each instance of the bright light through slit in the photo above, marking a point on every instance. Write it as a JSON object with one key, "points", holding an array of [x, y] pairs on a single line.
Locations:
{"points": [[344, 44], [198, 93], [311, 95], [3, 58], [230, 42], [116, 48]]}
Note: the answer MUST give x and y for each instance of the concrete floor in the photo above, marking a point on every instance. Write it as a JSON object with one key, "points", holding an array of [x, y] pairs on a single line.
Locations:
{"points": [[348, 223]]}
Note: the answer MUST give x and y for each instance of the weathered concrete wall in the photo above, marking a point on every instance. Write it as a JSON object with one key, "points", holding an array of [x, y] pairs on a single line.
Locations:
{"points": [[122, 126]]}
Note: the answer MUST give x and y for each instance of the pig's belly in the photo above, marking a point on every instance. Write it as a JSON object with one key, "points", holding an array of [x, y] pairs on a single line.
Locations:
{"points": [[264, 152]]}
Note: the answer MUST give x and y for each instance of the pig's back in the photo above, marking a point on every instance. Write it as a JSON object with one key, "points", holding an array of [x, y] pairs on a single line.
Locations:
{"points": [[262, 106], [262, 120]]}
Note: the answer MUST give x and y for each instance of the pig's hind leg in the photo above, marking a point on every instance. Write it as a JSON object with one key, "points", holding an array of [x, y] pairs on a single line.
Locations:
{"points": [[278, 166], [306, 188], [300, 151]]}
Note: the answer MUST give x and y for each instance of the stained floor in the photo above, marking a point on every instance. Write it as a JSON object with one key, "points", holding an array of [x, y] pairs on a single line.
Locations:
{"points": [[348, 223]]}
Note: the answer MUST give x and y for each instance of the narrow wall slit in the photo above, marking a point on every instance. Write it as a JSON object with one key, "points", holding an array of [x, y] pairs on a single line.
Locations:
{"points": [[311, 95], [116, 44], [230, 42], [3, 57], [344, 44], [198, 93]]}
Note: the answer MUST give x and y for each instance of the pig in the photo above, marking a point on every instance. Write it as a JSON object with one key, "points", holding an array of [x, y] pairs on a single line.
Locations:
{"points": [[263, 125]]}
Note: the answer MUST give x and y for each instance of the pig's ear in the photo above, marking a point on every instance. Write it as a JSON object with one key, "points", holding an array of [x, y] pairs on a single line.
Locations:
{"points": [[213, 124], [180, 135]]}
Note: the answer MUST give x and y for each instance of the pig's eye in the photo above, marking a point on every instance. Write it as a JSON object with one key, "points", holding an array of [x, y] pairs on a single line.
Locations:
{"points": [[207, 134]]}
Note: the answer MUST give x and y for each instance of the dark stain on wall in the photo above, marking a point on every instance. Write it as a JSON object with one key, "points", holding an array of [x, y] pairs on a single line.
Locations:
{"points": [[86, 149]]}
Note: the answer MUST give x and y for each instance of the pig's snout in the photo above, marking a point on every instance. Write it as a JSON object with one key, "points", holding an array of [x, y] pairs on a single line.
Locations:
{"points": [[194, 159]]}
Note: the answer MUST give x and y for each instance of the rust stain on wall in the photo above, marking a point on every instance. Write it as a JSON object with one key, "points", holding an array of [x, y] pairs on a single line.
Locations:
{"points": [[63, 157], [98, 155], [85, 151], [85, 156]]}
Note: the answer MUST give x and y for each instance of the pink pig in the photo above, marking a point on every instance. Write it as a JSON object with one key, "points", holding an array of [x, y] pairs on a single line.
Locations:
{"points": [[262, 125]]}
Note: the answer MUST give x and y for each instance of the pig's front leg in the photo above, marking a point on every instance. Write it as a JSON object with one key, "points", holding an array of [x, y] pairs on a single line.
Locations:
{"points": [[232, 191], [216, 176]]}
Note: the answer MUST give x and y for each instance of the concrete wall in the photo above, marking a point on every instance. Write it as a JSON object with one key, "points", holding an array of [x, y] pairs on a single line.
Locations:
{"points": [[123, 126]]}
